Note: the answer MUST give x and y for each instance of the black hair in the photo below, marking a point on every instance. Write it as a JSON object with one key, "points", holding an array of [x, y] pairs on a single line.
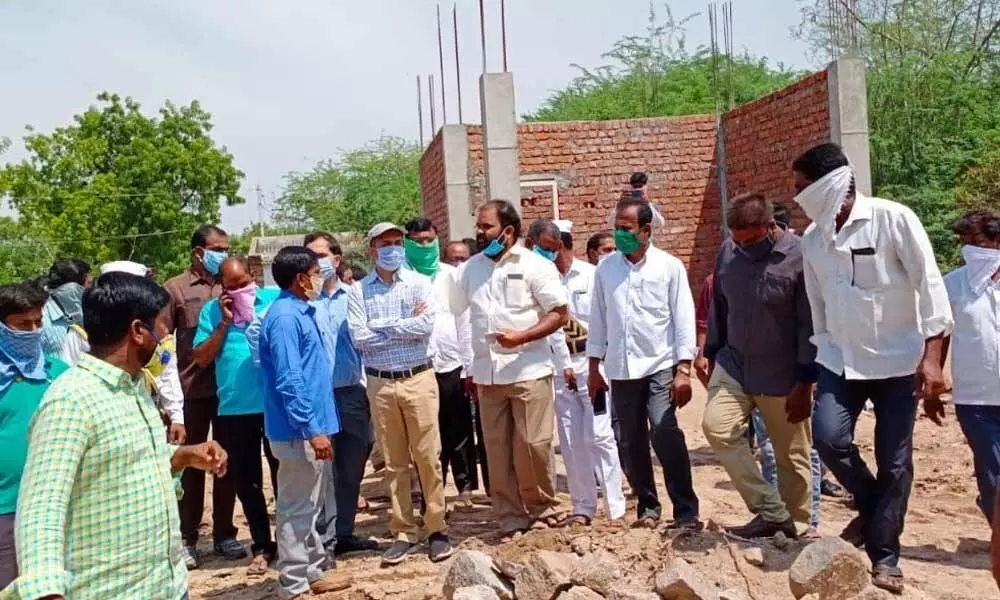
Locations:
{"points": [[567, 239], [644, 209], [594, 242], [419, 225], [67, 270], [472, 245], [290, 262], [638, 179], [540, 226], [201, 235], [979, 221], [820, 160], [115, 300], [507, 215], [782, 216], [20, 297], [749, 210], [358, 272], [331, 241]]}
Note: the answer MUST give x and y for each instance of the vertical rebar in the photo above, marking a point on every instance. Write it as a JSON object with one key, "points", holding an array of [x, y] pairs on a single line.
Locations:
{"points": [[430, 94], [420, 110], [458, 68], [444, 98], [482, 31], [503, 32]]}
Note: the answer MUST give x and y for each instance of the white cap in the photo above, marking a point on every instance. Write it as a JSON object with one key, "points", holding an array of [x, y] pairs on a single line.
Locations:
{"points": [[124, 266], [382, 228], [564, 225]]}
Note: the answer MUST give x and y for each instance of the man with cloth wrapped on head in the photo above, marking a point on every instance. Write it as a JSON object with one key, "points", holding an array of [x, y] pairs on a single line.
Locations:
{"points": [[880, 315]]}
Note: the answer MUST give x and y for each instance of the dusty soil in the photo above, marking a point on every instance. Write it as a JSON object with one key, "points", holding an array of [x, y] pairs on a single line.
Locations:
{"points": [[945, 546]]}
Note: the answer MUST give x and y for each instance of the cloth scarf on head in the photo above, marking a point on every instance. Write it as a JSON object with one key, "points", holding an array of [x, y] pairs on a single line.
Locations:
{"points": [[823, 199], [20, 356], [981, 265]]}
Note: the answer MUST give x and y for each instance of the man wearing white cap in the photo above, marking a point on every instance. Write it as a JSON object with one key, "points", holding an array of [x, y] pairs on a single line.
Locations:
{"points": [[391, 314], [585, 434]]}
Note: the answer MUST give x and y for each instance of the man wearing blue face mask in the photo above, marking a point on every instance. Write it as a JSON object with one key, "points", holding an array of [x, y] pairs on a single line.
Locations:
{"points": [[391, 314], [760, 357], [189, 291]]}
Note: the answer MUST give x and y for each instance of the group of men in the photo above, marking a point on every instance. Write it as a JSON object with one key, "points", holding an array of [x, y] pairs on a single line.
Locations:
{"points": [[470, 357]]}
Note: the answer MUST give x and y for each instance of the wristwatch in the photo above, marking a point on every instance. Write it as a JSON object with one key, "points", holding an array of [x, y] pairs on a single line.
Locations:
{"points": [[684, 370]]}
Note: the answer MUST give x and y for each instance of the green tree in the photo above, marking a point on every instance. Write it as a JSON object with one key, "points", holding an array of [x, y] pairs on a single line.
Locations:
{"points": [[654, 75], [117, 184], [21, 257], [379, 182]]}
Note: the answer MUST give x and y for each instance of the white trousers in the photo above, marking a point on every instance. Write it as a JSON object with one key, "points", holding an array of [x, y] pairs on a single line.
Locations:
{"points": [[588, 448]]}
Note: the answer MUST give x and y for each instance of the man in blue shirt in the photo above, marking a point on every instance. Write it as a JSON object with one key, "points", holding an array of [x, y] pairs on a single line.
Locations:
{"points": [[354, 439], [299, 420], [221, 340]]}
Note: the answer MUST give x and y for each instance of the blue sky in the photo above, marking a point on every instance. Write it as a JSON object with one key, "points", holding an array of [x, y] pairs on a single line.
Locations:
{"points": [[291, 83]]}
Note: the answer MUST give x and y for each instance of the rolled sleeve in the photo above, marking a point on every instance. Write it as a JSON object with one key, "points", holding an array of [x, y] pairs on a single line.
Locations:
{"points": [[917, 255], [547, 290]]}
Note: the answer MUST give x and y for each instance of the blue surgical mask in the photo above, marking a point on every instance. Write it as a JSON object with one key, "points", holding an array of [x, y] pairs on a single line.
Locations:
{"points": [[326, 268], [495, 248], [546, 254], [390, 258], [212, 261]]}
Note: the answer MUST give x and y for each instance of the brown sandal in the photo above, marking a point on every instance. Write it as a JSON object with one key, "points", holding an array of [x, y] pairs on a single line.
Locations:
{"points": [[258, 566], [548, 522], [573, 521], [888, 581]]}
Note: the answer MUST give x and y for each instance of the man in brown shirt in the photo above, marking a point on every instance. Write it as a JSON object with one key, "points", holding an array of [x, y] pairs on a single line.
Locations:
{"points": [[189, 291]]}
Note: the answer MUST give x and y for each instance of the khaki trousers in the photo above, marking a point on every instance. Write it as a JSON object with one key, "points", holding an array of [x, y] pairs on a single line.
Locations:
{"points": [[406, 423], [725, 426], [517, 424]]}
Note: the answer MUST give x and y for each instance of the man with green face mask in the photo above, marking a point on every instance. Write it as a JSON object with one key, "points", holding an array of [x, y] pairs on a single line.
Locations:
{"points": [[451, 353]]}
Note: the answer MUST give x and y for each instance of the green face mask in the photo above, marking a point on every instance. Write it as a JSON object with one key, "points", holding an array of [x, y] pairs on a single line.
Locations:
{"points": [[422, 257], [626, 241]]}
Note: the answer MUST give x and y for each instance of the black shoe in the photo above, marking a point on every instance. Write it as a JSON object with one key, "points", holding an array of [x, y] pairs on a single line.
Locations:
{"points": [[854, 533], [758, 527], [230, 549], [397, 553], [831, 489], [440, 547], [352, 545], [686, 525]]}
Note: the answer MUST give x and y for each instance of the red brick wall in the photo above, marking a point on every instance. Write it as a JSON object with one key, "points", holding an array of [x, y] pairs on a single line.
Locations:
{"points": [[433, 187], [765, 136]]}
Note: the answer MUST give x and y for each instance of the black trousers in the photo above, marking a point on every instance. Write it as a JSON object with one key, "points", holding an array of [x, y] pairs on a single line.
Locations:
{"points": [[199, 414], [458, 443], [242, 436], [641, 403]]}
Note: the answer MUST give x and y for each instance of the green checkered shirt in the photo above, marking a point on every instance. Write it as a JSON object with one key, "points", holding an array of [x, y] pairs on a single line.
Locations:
{"points": [[97, 512]]}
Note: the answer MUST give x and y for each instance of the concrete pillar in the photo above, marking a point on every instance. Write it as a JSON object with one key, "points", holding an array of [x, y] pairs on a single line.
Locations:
{"points": [[496, 93], [461, 211], [849, 116]]}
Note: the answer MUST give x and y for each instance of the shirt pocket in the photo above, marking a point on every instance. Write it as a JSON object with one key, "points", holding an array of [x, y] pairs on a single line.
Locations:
{"points": [[867, 270], [653, 295], [516, 292], [190, 312], [776, 290]]}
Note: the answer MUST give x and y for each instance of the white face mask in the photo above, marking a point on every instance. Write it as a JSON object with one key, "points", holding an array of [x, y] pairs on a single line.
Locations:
{"points": [[823, 199], [981, 264]]}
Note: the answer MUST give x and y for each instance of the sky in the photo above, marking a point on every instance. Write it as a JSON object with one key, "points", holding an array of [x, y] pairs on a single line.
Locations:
{"points": [[290, 83]]}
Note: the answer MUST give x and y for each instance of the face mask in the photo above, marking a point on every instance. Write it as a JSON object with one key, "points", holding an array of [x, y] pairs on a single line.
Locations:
{"points": [[69, 298], [423, 257], [315, 287], [981, 265], [326, 268], [390, 258], [243, 300], [493, 248], [212, 261], [626, 241], [546, 254], [20, 356], [757, 250], [823, 199], [161, 355]]}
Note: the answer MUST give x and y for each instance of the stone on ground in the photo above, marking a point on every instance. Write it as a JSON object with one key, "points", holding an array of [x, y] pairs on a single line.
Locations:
{"points": [[580, 593], [754, 556], [544, 575], [599, 572], [475, 592], [632, 594], [732, 595], [470, 568], [680, 581], [830, 568], [581, 545]]}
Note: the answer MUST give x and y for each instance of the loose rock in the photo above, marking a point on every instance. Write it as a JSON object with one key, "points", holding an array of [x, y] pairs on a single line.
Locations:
{"points": [[470, 568], [682, 582], [831, 568], [581, 545], [599, 572], [780, 541], [476, 592], [754, 556], [544, 575], [580, 593], [732, 595], [632, 594]]}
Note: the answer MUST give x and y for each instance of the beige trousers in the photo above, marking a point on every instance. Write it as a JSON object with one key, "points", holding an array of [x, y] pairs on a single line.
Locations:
{"points": [[406, 423], [517, 427], [725, 426]]}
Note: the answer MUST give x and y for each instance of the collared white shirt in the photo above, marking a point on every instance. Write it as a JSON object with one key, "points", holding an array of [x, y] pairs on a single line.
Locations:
{"points": [[975, 342], [579, 282], [642, 315], [510, 294], [451, 343], [875, 290]]}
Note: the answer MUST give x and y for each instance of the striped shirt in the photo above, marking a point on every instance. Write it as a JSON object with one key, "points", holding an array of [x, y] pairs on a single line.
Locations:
{"points": [[383, 326], [97, 512]]}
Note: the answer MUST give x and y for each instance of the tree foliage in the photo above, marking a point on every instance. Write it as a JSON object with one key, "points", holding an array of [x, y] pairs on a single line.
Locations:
{"points": [[117, 184], [654, 75], [378, 182]]}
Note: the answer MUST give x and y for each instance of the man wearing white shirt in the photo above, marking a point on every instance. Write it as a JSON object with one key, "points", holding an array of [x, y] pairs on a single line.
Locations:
{"points": [[880, 315], [974, 292], [585, 436], [451, 354], [515, 301], [642, 326]]}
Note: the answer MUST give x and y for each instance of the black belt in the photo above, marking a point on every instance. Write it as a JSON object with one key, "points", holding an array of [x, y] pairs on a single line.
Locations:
{"points": [[404, 374], [577, 346]]}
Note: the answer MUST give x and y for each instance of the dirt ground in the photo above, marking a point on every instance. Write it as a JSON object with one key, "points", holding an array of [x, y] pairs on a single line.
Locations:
{"points": [[945, 545]]}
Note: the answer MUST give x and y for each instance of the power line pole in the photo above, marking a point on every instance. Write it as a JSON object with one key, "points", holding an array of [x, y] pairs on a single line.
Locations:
{"points": [[260, 211]]}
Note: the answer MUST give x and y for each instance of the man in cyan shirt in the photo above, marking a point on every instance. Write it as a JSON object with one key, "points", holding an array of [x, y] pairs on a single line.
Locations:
{"points": [[300, 420]]}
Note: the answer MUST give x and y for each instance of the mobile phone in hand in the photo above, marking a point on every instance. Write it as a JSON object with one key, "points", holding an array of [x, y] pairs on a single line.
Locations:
{"points": [[601, 402]]}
